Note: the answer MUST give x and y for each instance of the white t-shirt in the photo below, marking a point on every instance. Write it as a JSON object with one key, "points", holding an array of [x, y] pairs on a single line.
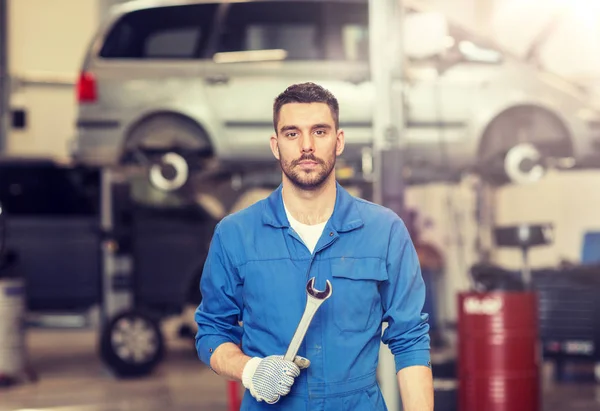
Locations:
{"points": [[309, 234]]}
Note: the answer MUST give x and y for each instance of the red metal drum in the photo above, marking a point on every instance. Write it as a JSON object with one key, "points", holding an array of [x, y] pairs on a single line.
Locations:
{"points": [[498, 357]]}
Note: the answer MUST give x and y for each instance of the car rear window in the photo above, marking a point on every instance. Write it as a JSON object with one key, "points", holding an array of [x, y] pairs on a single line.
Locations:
{"points": [[174, 32], [305, 30]]}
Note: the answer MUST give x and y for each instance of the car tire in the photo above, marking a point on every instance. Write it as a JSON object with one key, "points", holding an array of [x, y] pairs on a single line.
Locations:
{"points": [[521, 128], [131, 344]]}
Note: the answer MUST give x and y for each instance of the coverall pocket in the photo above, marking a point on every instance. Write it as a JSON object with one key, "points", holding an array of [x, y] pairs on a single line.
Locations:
{"points": [[356, 301], [366, 400], [285, 403]]}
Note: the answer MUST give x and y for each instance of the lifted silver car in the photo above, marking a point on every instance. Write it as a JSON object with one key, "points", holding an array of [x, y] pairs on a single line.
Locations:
{"points": [[196, 79]]}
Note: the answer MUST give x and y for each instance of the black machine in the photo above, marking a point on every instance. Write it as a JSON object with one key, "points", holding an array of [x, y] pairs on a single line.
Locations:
{"points": [[84, 241], [486, 277], [568, 303]]}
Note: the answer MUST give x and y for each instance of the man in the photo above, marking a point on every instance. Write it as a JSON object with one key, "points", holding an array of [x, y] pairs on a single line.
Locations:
{"points": [[261, 258]]}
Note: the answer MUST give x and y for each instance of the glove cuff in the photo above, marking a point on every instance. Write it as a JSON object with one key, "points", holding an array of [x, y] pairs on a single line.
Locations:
{"points": [[249, 370]]}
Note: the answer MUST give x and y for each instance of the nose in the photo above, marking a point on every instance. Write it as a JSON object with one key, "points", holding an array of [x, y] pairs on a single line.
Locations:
{"points": [[308, 144]]}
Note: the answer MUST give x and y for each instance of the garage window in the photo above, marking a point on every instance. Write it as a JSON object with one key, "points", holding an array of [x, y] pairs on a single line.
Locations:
{"points": [[176, 32]]}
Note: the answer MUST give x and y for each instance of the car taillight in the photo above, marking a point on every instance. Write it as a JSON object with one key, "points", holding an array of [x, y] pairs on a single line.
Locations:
{"points": [[86, 88]]}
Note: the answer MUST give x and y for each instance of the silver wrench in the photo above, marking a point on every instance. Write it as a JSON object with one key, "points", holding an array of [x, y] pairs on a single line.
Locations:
{"points": [[314, 299]]}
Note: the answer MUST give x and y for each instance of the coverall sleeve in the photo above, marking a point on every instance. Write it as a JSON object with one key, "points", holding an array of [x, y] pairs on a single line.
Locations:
{"points": [[403, 297], [219, 313]]}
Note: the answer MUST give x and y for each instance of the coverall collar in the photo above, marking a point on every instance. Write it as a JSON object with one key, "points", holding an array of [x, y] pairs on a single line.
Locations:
{"points": [[345, 217]]}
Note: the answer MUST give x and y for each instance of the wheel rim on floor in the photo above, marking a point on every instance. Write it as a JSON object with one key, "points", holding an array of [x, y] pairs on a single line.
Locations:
{"points": [[134, 340]]}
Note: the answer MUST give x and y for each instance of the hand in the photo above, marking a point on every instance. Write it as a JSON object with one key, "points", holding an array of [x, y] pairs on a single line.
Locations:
{"points": [[270, 378]]}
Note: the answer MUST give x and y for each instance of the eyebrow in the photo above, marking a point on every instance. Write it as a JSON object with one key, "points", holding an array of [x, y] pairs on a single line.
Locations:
{"points": [[292, 127], [287, 128]]}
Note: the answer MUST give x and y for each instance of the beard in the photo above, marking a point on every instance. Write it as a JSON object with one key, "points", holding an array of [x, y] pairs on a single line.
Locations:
{"points": [[310, 179]]}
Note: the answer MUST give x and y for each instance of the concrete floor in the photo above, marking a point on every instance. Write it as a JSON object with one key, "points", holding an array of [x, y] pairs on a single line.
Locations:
{"points": [[71, 378]]}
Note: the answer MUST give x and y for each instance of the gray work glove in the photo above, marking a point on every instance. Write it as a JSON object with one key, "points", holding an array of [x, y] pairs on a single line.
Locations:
{"points": [[272, 377]]}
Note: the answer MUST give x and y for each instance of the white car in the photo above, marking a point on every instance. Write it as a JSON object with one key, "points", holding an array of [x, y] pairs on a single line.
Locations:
{"points": [[199, 78]]}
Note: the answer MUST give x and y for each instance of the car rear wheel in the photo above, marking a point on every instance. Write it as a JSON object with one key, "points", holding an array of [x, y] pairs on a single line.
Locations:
{"points": [[520, 143], [170, 147]]}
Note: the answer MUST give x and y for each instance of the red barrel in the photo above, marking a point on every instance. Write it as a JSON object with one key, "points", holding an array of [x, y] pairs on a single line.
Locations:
{"points": [[498, 357]]}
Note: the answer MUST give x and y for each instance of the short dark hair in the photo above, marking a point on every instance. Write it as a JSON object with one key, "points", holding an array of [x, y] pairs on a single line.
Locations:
{"points": [[306, 93]]}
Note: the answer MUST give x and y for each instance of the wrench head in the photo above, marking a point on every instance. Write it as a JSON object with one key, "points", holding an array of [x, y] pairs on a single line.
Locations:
{"points": [[318, 294]]}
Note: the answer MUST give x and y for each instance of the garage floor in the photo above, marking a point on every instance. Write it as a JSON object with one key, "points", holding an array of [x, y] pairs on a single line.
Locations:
{"points": [[71, 378]]}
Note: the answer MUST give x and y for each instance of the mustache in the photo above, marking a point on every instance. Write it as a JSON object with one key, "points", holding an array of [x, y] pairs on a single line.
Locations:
{"points": [[308, 157]]}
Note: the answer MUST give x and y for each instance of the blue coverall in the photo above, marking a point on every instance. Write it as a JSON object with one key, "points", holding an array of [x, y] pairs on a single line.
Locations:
{"points": [[256, 273]]}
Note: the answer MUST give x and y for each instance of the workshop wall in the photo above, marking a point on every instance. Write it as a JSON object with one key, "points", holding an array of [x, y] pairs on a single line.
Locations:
{"points": [[569, 200], [47, 40]]}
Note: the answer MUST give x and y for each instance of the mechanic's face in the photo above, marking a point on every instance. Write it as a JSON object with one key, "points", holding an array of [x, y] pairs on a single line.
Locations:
{"points": [[307, 144]]}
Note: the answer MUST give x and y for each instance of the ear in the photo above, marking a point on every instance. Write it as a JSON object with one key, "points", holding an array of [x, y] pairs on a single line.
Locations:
{"points": [[340, 142], [274, 146]]}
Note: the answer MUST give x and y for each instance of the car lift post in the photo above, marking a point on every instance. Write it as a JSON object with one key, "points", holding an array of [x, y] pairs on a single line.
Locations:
{"points": [[386, 60], [116, 264]]}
